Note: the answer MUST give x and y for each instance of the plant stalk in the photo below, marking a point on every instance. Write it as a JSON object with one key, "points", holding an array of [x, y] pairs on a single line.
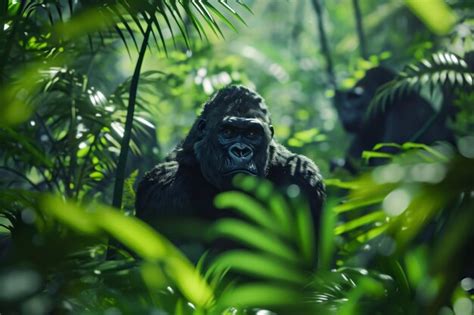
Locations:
{"points": [[125, 145], [360, 29], [324, 43]]}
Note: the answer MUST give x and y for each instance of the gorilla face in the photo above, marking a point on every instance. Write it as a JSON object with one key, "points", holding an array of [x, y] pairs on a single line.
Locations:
{"points": [[353, 104], [233, 145], [233, 134], [241, 140]]}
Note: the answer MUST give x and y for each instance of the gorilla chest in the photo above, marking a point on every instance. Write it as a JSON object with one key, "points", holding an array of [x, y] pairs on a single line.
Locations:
{"points": [[193, 196]]}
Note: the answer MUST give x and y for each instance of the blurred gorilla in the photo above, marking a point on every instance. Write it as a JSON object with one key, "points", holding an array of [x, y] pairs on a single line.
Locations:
{"points": [[408, 118], [233, 134]]}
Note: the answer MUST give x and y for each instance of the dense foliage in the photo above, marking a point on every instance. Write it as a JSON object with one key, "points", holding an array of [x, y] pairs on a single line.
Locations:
{"points": [[94, 93]]}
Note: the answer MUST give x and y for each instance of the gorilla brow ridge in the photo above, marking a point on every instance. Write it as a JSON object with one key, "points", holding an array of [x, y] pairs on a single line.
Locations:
{"points": [[232, 97]]}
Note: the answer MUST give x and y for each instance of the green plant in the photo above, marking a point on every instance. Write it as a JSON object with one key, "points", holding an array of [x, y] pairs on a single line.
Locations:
{"points": [[442, 70]]}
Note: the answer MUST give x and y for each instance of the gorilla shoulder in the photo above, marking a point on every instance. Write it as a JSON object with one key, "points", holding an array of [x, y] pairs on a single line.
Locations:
{"points": [[154, 187], [288, 168]]}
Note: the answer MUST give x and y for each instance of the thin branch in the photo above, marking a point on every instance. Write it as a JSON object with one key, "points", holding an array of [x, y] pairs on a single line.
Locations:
{"points": [[360, 29], [21, 175], [62, 168], [297, 29], [87, 159], [71, 139], [324, 43]]}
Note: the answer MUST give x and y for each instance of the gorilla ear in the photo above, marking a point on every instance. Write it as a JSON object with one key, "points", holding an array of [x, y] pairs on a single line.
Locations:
{"points": [[201, 125], [271, 129]]}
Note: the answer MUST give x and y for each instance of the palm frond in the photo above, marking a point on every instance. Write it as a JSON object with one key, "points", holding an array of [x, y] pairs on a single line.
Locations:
{"points": [[170, 17], [442, 70], [280, 259]]}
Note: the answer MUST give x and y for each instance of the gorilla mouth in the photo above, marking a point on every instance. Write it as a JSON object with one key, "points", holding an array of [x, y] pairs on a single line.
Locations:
{"points": [[241, 171], [232, 168]]}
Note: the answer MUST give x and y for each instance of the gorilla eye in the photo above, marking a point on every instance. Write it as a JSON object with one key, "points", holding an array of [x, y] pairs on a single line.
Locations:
{"points": [[355, 93], [359, 90], [251, 134], [227, 132]]}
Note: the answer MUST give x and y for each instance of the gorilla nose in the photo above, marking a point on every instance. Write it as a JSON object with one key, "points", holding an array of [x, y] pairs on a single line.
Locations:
{"points": [[240, 151]]}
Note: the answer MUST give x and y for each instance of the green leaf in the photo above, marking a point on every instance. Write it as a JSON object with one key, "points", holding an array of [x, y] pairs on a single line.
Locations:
{"points": [[416, 268], [253, 236], [139, 237], [221, 16], [305, 232], [259, 265], [371, 154], [468, 78], [370, 218], [247, 206], [436, 14], [358, 203], [69, 214], [260, 295], [265, 192], [189, 281], [326, 236], [306, 135]]}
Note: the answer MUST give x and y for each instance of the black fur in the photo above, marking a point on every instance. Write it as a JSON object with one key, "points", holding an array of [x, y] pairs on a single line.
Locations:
{"points": [[402, 121], [187, 183]]}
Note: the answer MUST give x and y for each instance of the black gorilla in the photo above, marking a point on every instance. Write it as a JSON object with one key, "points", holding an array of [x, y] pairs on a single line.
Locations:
{"points": [[408, 118], [232, 135]]}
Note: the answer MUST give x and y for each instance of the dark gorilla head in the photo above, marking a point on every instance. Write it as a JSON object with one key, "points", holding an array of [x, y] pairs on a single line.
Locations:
{"points": [[232, 135], [352, 104]]}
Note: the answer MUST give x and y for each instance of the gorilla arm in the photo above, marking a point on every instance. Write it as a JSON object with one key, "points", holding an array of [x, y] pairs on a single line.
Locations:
{"points": [[173, 190], [288, 169], [156, 189]]}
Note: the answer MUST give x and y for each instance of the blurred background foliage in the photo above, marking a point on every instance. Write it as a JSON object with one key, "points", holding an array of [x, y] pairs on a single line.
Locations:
{"points": [[77, 75]]}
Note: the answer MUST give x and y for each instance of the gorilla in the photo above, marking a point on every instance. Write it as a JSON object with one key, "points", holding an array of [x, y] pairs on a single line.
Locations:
{"points": [[409, 118], [232, 135]]}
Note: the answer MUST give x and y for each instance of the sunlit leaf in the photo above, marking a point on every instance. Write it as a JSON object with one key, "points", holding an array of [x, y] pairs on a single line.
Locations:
{"points": [[70, 214], [305, 232], [245, 205], [361, 221], [139, 237], [436, 14], [326, 236], [253, 236], [259, 295]]}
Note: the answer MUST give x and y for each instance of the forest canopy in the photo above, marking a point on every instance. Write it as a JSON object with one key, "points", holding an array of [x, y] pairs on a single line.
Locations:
{"points": [[379, 94]]}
